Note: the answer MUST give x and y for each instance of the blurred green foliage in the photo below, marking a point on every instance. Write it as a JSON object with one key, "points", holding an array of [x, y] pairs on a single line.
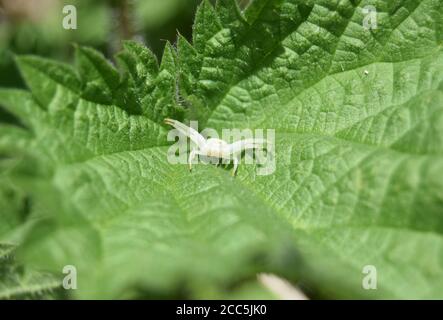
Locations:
{"points": [[35, 27]]}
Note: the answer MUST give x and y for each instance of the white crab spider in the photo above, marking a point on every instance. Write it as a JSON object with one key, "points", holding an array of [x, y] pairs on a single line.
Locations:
{"points": [[214, 147]]}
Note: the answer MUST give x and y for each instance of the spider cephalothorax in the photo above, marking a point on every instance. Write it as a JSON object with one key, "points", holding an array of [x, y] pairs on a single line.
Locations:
{"points": [[216, 148]]}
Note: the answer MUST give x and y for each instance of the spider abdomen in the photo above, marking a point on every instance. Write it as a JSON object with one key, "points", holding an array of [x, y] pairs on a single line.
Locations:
{"points": [[215, 148]]}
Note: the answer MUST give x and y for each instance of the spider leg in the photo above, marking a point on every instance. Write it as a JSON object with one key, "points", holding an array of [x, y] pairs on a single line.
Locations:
{"points": [[192, 155], [236, 161], [193, 134]]}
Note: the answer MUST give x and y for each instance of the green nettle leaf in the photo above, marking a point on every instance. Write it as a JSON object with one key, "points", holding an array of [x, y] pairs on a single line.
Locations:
{"points": [[358, 120], [17, 283]]}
